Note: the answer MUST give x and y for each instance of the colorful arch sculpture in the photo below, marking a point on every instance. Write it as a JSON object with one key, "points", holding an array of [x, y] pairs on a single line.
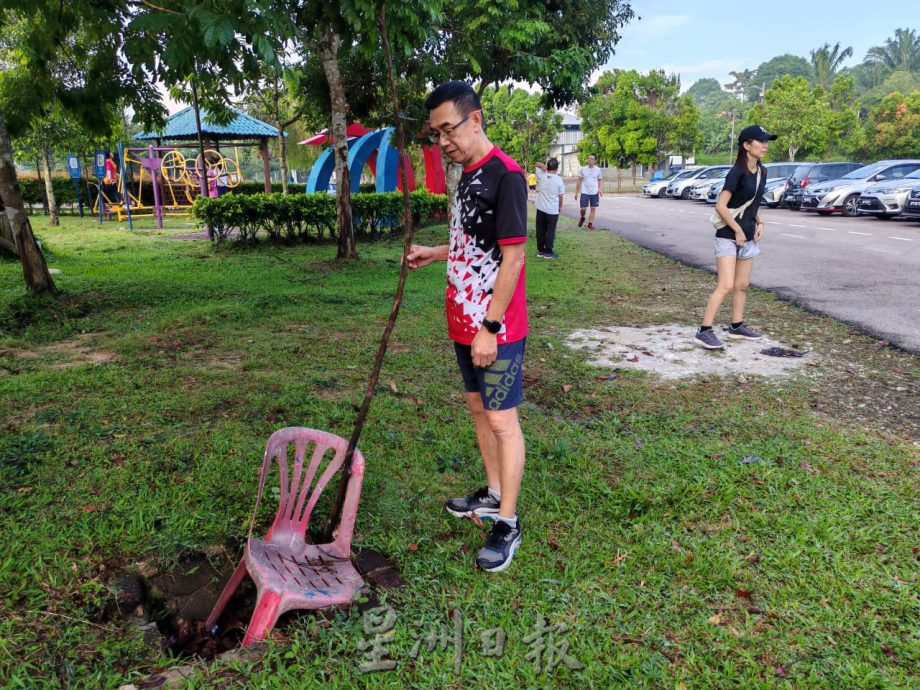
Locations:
{"points": [[388, 178], [373, 149]]}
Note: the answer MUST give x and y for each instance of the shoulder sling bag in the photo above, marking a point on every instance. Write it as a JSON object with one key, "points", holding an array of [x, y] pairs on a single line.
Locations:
{"points": [[716, 219]]}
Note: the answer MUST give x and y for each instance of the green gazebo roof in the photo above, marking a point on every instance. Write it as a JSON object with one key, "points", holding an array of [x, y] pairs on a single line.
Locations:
{"points": [[181, 126]]}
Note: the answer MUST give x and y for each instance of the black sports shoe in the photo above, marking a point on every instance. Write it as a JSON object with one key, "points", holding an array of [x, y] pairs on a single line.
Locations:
{"points": [[550, 255], [708, 339], [500, 546], [480, 504], [743, 332]]}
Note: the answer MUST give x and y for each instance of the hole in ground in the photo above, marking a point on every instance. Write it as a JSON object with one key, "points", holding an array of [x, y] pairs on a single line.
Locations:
{"points": [[178, 601]]}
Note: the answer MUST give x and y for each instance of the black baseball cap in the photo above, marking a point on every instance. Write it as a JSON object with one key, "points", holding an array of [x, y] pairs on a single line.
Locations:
{"points": [[755, 132]]}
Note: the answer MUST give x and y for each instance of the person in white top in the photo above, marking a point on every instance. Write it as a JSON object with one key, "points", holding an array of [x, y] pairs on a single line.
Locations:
{"points": [[589, 190], [550, 193]]}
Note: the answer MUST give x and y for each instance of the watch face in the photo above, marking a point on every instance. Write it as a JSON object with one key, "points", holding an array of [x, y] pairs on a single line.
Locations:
{"points": [[492, 326]]}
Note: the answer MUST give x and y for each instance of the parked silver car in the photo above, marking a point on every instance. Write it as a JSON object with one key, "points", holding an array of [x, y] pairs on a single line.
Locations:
{"points": [[699, 190], [680, 189], [888, 198], [657, 187], [842, 195], [712, 194], [777, 174]]}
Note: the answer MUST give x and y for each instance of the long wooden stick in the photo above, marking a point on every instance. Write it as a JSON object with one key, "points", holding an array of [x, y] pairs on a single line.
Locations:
{"points": [[336, 514]]}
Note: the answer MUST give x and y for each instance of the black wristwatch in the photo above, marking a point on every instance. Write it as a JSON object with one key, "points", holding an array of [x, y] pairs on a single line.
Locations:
{"points": [[492, 326]]}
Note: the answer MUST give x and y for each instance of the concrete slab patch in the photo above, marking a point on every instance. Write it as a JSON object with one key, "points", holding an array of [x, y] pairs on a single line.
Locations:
{"points": [[669, 351]]}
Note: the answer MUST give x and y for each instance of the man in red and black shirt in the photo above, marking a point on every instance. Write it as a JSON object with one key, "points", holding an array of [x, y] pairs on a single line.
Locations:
{"points": [[486, 306]]}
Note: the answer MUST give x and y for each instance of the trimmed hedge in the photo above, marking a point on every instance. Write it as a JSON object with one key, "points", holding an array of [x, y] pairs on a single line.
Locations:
{"points": [[33, 190], [310, 217]]}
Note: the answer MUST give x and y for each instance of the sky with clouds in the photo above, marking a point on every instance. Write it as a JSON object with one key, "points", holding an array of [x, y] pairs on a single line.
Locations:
{"points": [[710, 38]]}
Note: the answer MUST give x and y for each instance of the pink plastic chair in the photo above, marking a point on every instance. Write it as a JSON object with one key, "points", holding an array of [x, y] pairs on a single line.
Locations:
{"points": [[289, 572]]}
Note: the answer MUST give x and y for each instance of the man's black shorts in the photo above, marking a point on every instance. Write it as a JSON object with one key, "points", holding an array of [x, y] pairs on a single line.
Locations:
{"points": [[500, 385]]}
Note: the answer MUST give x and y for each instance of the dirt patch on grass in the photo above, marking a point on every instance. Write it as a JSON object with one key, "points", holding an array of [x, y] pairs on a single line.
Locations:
{"points": [[669, 352], [64, 355]]}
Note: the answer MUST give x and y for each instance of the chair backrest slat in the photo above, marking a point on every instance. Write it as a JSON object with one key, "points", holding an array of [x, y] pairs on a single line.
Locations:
{"points": [[334, 464], [316, 459]]}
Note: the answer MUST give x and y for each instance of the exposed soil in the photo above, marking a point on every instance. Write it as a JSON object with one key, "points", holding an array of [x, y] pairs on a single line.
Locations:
{"points": [[171, 607], [669, 351], [65, 354], [858, 380]]}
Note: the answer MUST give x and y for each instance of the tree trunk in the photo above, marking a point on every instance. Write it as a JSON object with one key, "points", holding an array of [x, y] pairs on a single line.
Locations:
{"points": [[336, 512], [282, 149], [792, 151], [49, 189], [34, 270], [329, 54], [38, 176]]}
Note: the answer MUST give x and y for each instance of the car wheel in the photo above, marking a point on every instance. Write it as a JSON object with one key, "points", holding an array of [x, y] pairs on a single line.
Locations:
{"points": [[685, 194], [848, 208], [661, 194]]}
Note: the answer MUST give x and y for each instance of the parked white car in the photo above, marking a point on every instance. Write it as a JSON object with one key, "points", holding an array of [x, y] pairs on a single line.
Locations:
{"points": [[842, 195], [680, 189], [699, 190], [888, 198], [777, 174], [658, 187]]}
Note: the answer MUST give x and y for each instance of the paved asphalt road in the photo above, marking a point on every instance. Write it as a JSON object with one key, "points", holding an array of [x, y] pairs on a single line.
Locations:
{"points": [[861, 270]]}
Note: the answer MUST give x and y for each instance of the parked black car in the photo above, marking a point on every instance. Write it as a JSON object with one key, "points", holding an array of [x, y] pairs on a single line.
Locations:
{"points": [[912, 207], [809, 174]]}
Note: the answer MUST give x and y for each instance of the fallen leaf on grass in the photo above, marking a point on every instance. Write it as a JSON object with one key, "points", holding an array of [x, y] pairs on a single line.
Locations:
{"points": [[889, 652], [89, 508], [620, 557], [477, 521], [553, 544], [808, 467], [716, 619], [743, 593], [781, 671], [566, 388], [633, 359], [392, 385], [606, 377], [412, 547]]}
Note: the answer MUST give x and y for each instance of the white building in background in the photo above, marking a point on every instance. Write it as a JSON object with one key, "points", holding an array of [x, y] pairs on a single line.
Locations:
{"points": [[566, 147]]}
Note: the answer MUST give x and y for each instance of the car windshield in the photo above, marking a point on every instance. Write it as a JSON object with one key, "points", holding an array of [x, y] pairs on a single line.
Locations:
{"points": [[801, 172], [711, 173], [913, 176], [865, 171], [684, 174]]}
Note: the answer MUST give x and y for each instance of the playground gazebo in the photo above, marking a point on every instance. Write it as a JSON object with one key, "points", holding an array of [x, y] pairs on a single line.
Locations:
{"points": [[243, 130]]}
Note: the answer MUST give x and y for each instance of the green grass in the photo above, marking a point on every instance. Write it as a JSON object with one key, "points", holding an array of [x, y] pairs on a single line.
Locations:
{"points": [[669, 561]]}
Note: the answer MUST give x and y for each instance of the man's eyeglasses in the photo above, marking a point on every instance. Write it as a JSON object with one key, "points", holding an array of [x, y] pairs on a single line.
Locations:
{"points": [[434, 135]]}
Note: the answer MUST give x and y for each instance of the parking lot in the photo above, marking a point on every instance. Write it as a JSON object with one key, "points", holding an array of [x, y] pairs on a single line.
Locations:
{"points": [[861, 270]]}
